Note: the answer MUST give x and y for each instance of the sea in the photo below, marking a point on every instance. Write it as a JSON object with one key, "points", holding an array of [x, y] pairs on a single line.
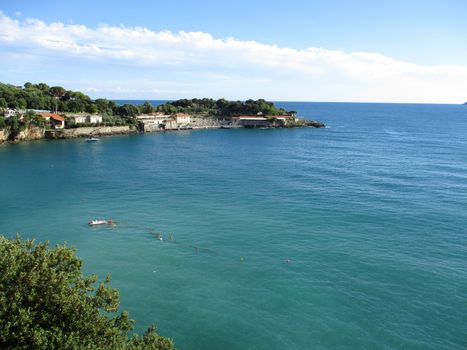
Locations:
{"points": [[348, 237]]}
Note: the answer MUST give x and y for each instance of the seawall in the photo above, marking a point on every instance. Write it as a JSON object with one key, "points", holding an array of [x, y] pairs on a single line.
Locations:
{"points": [[89, 132]]}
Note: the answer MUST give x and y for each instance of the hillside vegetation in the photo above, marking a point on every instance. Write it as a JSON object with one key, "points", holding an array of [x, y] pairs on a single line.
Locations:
{"points": [[56, 98]]}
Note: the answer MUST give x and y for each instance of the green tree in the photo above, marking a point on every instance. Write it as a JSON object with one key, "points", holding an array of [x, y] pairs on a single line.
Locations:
{"points": [[38, 121], [21, 103], [75, 106], [16, 126], [127, 110], [146, 108], [167, 109], [3, 104], [91, 108], [46, 303], [28, 116], [105, 106], [43, 87], [57, 91]]}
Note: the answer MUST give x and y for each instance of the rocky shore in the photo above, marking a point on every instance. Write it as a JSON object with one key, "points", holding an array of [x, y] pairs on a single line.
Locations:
{"points": [[89, 132], [37, 133], [31, 133]]}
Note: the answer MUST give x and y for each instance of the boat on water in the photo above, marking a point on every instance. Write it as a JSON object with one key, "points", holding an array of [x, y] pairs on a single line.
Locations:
{"points": [[100, 222], [92, 139]]}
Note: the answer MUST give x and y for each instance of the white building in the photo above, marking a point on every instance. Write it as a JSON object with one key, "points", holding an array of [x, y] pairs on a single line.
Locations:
{"points": [[153, 122], [182, 118], [91, 119], [94, 119], [251, 121], [286, 118], [10, 112], [79, 119]]}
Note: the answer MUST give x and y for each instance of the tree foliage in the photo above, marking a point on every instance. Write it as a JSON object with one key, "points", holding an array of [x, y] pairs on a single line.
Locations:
{"points": [[16, 126], [46, 303], [146, 108], [41, 96], [57, 98], [127, 110], [221, 107]]}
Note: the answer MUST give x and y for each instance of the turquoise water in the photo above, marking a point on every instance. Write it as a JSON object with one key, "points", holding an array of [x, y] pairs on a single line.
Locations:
{"points": [[371, 214]]}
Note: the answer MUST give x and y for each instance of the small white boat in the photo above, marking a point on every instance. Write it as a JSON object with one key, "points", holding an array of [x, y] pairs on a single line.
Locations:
{"points": [[92, 139], [100, 222]]}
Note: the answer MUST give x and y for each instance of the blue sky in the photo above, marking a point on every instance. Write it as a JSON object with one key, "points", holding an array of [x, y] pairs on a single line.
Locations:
{"points": [[388, 51]]}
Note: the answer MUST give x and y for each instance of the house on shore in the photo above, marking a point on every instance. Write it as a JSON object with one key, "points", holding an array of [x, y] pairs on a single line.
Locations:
{"points": [[260, 121], [94, 119], [251, 121], [152, 122], [56, 121], [170, 123], [182, 118], [286, 119], [10, 113], [158, 121], [79, 119], [87, 119]]}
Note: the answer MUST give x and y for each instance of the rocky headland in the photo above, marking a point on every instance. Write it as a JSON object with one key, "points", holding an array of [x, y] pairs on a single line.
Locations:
{"points": [[38, 111]]}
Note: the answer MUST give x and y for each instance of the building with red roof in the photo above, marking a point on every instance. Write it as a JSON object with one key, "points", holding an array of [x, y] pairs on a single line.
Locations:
{"points": [[55, 120]]}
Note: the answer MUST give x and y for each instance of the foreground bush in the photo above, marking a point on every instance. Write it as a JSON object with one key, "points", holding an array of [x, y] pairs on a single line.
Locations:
{"points": [[46, 303]]}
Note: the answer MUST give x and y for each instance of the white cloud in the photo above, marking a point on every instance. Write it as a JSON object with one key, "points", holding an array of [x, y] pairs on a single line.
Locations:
{"points": [[272, 71]]}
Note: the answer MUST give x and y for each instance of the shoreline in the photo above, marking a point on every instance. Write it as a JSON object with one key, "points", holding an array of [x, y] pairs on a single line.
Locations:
{"points": [[36, 133]]}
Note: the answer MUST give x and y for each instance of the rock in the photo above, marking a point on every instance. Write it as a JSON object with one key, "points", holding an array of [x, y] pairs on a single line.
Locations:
{"points": [[314, 124], [3, 136], [31, 133]]}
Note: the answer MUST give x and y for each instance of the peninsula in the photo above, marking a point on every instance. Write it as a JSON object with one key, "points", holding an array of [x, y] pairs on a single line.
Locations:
{"points": [[36, 111]]}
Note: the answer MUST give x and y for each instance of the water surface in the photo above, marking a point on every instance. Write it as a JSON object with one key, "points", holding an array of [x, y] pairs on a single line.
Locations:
{"points": [[350, 237]]}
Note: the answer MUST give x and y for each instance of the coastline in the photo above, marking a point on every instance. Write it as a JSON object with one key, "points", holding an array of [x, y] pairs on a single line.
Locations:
{"points": [[38, 111], [36, 133]]}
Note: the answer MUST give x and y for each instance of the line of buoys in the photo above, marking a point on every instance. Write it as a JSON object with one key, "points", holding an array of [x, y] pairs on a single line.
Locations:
{"points": [[196, 249]]}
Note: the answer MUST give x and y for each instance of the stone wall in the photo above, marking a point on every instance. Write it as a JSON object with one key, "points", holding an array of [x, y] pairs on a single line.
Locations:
{"points": [[207, 122], [89, 132]]}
